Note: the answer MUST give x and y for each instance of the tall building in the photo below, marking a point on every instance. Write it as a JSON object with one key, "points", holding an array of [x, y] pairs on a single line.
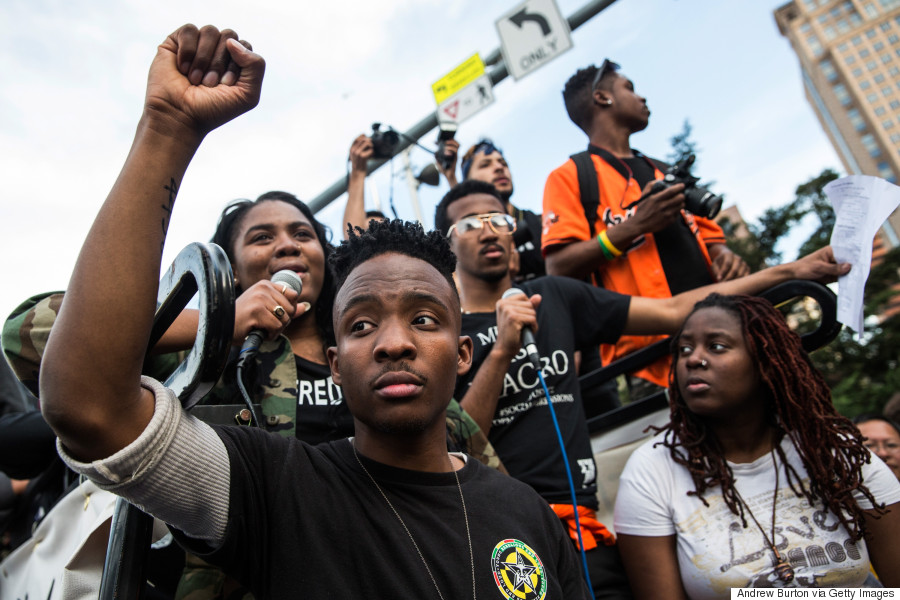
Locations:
{"points": [[849, 53]]}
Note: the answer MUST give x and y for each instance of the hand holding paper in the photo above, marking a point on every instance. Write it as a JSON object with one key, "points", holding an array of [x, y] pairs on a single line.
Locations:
{"points": [[861, 204]]}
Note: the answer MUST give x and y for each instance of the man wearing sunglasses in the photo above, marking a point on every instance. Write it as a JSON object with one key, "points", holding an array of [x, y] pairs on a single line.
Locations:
{"points": [[485, 162], [501, 391], [640, 243]]}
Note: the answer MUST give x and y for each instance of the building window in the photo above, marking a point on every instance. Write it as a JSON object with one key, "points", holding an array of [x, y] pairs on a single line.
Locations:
{"points": [[886, 25], [877, 46], [850, 59], [814, 44], [895, 104], [893, 39], [894, 71], [842, 26], [895, 138], [872, 98], [871, 12], [842, 47], [870, 33], [828, 70], [864, 84], [856, 40], [879, 77], [829, 33], [871, 65], [805, 28], [836, 12], [840, 90], [855, 20], [885, 172], [823, 18], [857, 72], [864, 53], [886, 58], [856, 119], [880, 110], [887, 91], [871, 146]]}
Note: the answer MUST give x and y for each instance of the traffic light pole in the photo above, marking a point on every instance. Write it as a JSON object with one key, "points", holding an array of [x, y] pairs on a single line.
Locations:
{"points": [[417, 131]]}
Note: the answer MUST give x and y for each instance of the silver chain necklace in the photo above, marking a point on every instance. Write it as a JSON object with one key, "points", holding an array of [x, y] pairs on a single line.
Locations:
{"points": [[410, 535]]}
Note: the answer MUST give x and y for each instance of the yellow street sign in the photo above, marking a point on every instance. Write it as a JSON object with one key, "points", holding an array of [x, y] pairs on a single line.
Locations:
{"points": [[470, 70]]}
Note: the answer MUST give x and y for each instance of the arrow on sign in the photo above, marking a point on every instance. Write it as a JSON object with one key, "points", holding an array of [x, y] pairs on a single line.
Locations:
{"points": [[520, 17], [453, 109]]}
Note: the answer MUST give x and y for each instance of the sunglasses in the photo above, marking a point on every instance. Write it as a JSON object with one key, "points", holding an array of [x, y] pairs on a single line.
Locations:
{"points": [[608, 66], [485, 147], [500, 223]]}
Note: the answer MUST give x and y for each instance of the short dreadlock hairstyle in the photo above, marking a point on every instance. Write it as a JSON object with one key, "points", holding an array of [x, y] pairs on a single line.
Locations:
{"points": [[401, 237], [579, 97], [466, 188], [799, 406]]}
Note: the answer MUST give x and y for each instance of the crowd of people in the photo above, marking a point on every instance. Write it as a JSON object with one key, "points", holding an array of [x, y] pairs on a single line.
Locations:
{"points": [[406, 445]]}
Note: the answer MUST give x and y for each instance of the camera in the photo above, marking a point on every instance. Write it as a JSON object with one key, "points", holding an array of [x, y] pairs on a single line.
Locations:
{"points": [[447, 132], [697, 199], [384, 142]]}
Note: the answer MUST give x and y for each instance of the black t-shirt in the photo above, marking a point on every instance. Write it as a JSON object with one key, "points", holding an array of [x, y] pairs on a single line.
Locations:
{"points": [[307, 522], [322, 414], [572, 315], [681, 257]]}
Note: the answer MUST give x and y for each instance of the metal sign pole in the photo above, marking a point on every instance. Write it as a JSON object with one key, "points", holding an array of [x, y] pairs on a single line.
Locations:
{"points": [[575, 20]]}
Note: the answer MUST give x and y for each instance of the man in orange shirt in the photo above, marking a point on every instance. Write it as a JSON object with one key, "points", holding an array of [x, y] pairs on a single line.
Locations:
{"points": [[641, 243]]}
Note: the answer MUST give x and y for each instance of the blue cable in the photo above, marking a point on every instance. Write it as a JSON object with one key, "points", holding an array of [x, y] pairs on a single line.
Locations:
{"points": [[562, 447]]}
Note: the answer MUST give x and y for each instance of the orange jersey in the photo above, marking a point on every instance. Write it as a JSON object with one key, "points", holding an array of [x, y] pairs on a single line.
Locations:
{"points": [[639, 272]]}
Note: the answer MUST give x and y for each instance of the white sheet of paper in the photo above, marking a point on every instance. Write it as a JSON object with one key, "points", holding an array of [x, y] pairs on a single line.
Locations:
{"points": [[861, 205]]}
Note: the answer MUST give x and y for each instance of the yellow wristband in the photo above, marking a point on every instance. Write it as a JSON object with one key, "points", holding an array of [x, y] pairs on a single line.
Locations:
{"points": [[608, 245]]}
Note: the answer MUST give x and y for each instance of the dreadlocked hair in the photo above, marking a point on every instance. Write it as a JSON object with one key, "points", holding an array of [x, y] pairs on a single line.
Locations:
{"points": [[799, 405], [397, 236]]}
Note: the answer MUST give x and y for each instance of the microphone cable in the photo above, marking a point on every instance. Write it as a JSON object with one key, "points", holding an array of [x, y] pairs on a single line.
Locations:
{"points": [[565, 456], [254, 420]]}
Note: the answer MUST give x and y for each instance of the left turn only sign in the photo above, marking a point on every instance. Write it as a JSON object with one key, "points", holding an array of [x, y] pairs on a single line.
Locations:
{"points": [[531, 35]]}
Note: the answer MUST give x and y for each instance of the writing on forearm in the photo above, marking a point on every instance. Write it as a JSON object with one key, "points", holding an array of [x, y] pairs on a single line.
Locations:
{"points": [[172, 189]]}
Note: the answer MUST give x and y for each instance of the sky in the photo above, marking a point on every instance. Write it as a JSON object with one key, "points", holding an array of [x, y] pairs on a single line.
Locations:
{"points": [[74, 71]]}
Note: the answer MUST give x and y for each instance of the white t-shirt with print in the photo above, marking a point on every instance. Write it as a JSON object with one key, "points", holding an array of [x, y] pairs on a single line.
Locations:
{"points": [[715, 552]]}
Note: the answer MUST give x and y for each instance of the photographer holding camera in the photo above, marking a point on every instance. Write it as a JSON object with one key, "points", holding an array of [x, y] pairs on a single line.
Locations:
{"points": [[607, 216], [355, 213]]}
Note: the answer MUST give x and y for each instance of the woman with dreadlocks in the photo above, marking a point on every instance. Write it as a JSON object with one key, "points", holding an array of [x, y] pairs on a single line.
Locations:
{"points": [[756, 481]]}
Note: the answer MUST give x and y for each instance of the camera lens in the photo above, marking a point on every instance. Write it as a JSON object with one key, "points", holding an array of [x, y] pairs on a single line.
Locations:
{"points": [[702, 202]]}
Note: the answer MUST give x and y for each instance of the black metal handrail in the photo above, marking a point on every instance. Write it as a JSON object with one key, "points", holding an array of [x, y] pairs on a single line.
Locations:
{"points": [[828, 329]]}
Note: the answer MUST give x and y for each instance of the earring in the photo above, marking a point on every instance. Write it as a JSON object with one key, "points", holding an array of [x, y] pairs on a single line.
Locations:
{"points": [[608, 102]]}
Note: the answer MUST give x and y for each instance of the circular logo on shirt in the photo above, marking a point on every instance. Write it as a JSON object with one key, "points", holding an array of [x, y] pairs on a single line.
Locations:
{"points": [[518, 571]]}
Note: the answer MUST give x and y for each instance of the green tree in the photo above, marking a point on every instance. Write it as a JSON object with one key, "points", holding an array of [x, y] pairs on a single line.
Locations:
{"points": [[682, 144]]}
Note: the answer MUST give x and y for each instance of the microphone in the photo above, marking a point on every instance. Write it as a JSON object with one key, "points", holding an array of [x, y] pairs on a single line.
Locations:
{"points": [[255, 338], [527, 335]]}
